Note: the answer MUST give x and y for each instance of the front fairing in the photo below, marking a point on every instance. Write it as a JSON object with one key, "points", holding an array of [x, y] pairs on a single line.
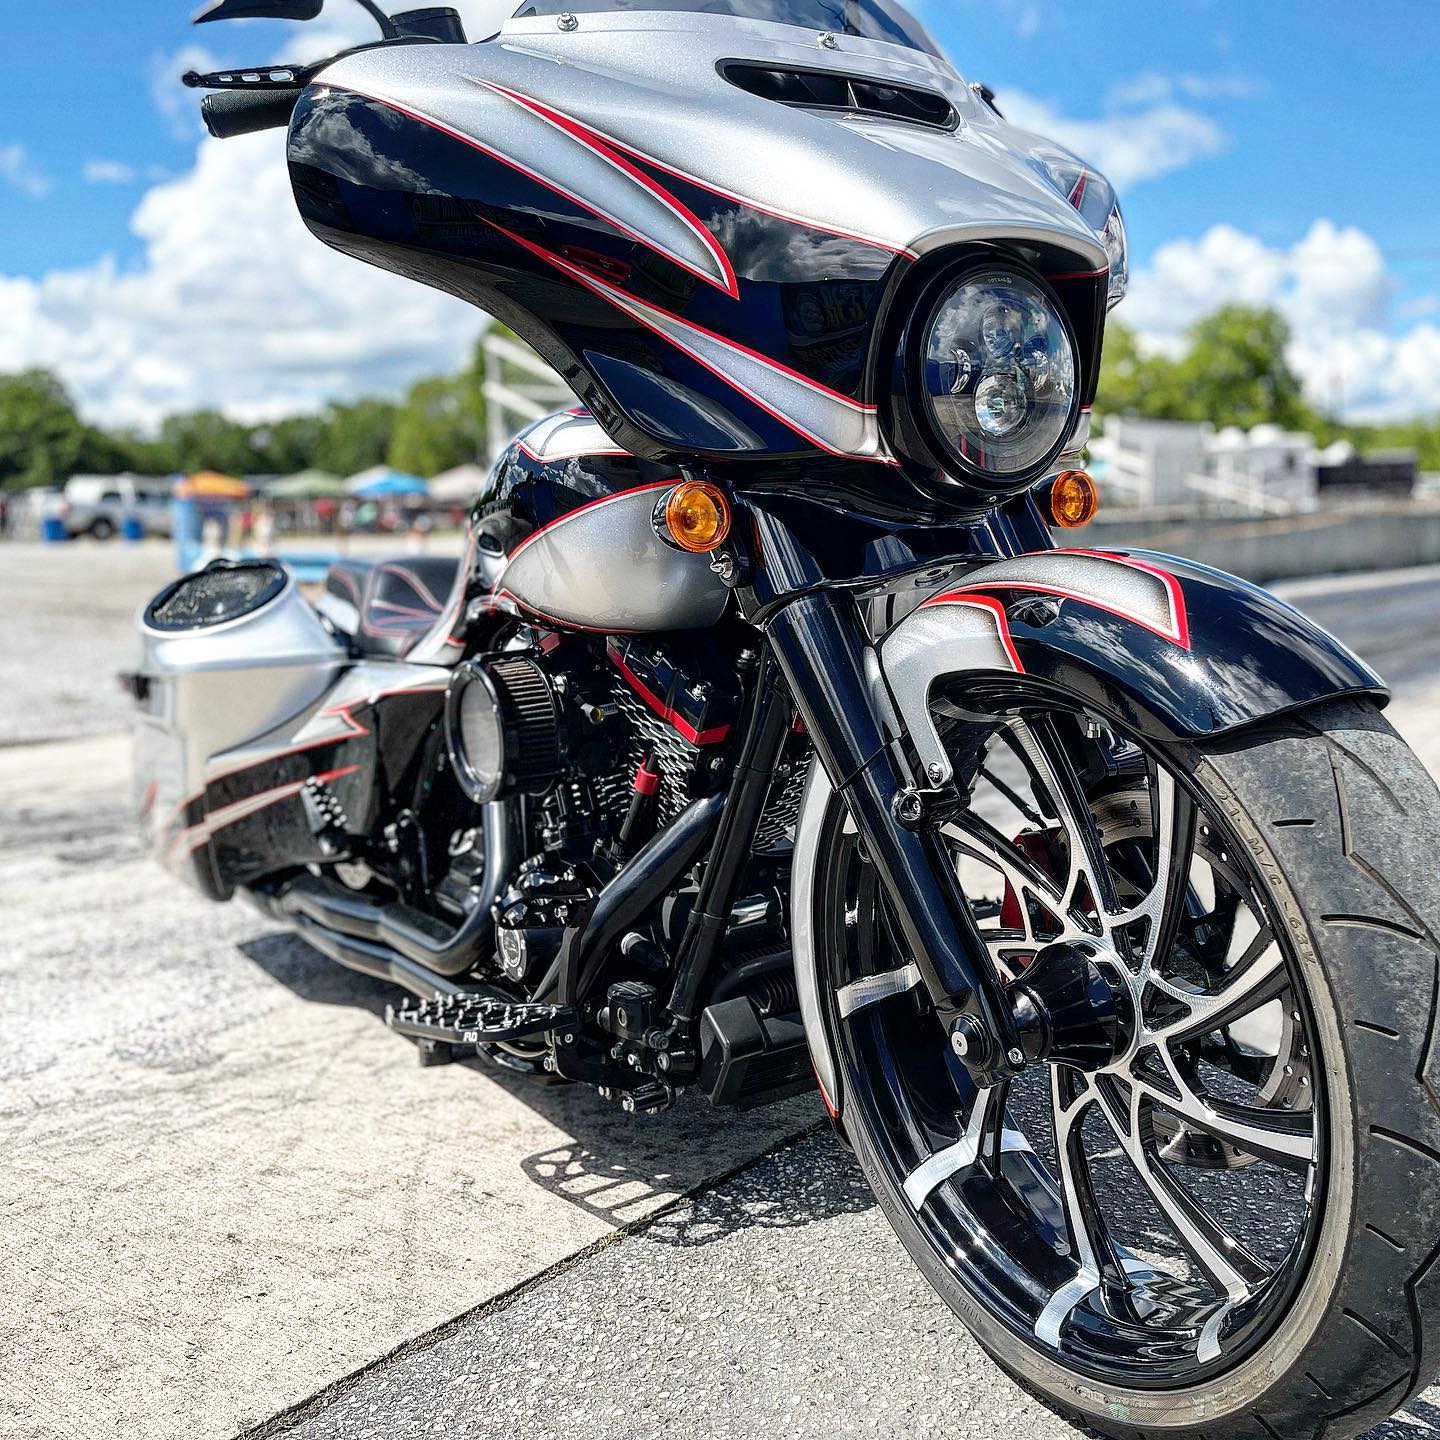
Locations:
{"points": [[712, 270]]}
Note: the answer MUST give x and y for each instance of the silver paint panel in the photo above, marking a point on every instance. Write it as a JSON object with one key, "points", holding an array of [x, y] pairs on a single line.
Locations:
{"points": [[217, 688], [649, 81], [934, 641], [602, 567]]}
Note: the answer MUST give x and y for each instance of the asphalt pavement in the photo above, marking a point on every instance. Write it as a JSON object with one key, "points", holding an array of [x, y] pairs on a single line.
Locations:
{"points": [[235, 1205]]}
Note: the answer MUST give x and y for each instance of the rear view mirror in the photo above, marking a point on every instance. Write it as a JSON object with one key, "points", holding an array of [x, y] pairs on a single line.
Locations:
{"points": [[259, 10]]}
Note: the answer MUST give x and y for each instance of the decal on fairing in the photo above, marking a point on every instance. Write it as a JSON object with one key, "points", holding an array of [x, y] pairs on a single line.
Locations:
{"points": [[813, 411], [616, 190]]}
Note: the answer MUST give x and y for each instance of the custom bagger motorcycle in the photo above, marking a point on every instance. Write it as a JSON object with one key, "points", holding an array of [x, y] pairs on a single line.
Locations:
{"points": [[763, 734]]}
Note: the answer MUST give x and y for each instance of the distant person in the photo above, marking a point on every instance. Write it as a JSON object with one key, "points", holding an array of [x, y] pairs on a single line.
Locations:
{"points": [[4, 515], [264, 529]]}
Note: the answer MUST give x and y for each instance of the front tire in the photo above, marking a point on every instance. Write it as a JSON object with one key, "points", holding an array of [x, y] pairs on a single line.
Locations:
{"points": [[1327, 826]]}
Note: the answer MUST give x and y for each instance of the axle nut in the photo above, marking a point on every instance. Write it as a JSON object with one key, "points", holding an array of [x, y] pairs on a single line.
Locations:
{"points": [[968, 1039]]}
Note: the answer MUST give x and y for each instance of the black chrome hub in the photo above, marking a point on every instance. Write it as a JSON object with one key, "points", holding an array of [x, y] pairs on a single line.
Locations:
{"points": [[1072, 1006]]}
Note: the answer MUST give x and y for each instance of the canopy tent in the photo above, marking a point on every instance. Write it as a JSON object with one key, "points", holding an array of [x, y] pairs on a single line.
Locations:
{"points": [[382, 484], [209, 485], [306, 485], [458, 486]]}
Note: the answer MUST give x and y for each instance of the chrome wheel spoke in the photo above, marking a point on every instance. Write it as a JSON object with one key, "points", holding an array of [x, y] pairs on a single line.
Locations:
{"points": [[1163, 905], [1038, 743], [1224, 1261], [1069, 1100], [1258, 977], [941, 1165], [1283, 1137]]}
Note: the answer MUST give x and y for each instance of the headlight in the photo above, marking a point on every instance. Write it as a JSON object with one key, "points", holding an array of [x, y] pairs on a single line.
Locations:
{"points": [[1000, 373]]}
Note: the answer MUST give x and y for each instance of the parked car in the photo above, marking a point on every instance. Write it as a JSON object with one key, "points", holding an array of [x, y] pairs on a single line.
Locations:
{"points": [[97, 505]]}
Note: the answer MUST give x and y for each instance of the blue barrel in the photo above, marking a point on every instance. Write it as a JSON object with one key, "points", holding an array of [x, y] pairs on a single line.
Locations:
{"points": [[52, 530], [132, 527]]}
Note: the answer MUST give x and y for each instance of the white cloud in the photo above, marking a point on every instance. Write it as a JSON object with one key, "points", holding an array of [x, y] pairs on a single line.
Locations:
{"points": [[1334, 289], [109, 172], [1154, 88], [18, 171], [233, 304], [1126, 146]]}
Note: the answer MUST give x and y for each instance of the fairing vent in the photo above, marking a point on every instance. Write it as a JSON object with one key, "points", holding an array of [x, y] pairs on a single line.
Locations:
{"points": [[854, 94]]}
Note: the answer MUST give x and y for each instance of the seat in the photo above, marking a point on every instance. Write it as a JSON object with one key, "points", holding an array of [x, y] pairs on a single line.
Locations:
{"points": [[385, 606]]}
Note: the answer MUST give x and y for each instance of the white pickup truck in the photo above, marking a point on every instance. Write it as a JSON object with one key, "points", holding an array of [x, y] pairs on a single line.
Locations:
{"points": [[97, 505]]}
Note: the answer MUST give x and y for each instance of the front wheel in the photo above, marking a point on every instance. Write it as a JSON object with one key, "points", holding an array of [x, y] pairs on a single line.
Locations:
{"points": [[1227, 1226]]}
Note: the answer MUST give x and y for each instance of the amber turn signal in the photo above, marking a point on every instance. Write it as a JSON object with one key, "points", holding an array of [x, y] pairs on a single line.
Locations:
{"points": [[1074, 499], [697, 517]]}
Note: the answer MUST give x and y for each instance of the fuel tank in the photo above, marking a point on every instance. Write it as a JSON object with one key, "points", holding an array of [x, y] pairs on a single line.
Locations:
{"points": [[565, 532], [713, 268]]}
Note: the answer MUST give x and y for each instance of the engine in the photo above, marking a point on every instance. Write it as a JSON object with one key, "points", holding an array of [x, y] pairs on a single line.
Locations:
{"points": [[600, 742]]}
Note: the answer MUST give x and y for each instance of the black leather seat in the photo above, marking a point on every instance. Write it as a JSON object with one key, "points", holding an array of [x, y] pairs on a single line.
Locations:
{"points": [[385, 606]]}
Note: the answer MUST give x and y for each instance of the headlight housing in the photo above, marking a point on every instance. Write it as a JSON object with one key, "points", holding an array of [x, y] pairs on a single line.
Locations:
{"points": [[1001, 380], [1094, 197]]}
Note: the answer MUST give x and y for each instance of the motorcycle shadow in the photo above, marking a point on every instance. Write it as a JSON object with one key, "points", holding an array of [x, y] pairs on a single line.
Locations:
{"points": [[621, 1169]]}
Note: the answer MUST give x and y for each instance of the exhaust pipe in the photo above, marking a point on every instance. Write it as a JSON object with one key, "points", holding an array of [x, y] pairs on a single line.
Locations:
{"points": [[400, 929]]}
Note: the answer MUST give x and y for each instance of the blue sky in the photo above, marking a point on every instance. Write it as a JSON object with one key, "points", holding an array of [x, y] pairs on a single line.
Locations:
{"points": [[1264, 150]]}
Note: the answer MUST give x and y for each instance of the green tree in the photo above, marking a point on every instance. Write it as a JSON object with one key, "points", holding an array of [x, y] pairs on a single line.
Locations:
{"points": [[207, 440], [1235, 371], [288, 445], [1133, 383], [439, 424], [41, 436], [354, 436]]}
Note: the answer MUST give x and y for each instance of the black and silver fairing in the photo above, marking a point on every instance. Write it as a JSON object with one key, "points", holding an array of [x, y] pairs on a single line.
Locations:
{"points": [[716, 271]]}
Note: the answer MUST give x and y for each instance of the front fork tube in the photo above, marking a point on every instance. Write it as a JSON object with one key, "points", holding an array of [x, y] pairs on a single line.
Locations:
{"points": [[822, 647]]}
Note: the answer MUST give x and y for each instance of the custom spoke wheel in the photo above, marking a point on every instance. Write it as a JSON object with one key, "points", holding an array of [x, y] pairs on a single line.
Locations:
{"points": [[1155, 1230]]}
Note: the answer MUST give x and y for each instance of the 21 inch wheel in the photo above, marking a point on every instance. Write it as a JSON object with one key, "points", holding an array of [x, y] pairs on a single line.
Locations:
{"points": [[1227, 1226]]}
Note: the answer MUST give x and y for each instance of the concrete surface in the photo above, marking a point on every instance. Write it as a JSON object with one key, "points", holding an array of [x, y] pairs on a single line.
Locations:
{"points": [[779, 1303], [233, 1203]]}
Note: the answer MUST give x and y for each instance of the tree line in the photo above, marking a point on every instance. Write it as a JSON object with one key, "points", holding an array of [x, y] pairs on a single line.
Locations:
{"points": [[1233, 371], [440, 422]]}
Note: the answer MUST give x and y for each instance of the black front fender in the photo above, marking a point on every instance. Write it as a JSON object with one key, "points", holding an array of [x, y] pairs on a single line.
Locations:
{"points": [[1176, 649]]}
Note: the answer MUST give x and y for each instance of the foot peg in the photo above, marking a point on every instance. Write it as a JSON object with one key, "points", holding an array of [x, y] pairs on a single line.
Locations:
{"points": [[464, 1019]]}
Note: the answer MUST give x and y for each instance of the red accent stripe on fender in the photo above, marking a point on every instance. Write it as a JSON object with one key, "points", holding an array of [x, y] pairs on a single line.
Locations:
{"points": [[712, 736], [996, 611], [1179, 635]]}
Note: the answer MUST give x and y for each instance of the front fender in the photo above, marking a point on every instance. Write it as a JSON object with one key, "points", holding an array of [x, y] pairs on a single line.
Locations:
{"points": [[1175, 649]]}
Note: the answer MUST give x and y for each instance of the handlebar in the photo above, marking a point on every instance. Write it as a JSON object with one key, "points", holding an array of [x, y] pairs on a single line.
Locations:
{"points": [[242, 112]]}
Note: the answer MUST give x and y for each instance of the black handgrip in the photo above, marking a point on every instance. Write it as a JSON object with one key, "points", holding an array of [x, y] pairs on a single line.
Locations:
{"points": [[242, 112]]}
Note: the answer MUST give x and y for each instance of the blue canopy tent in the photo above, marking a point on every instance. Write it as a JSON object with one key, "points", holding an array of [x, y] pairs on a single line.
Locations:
{"points": [[388, 485]]}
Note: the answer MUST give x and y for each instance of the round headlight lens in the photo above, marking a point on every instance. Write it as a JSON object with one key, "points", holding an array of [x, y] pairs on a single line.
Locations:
{"points": [[1000, 373]]}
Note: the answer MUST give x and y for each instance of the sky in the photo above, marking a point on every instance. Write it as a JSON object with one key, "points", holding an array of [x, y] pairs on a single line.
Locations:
{"points": [[1266, 151]]}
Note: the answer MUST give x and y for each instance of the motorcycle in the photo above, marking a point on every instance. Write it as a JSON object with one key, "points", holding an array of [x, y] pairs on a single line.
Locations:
{"points": [[764, 735]]}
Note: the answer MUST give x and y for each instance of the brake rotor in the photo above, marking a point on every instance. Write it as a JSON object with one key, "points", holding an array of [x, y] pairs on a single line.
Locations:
{"points": [[1125, 815]]}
